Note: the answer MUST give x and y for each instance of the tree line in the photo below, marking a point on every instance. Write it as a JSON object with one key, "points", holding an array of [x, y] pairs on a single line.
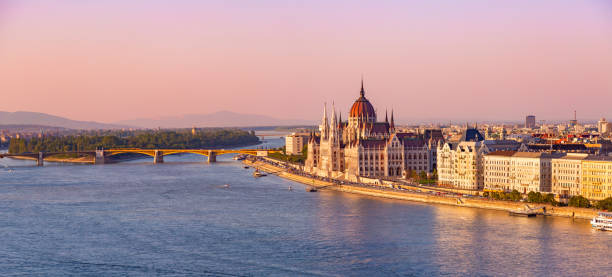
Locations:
{"points": [[209, 138], [549, 198]]}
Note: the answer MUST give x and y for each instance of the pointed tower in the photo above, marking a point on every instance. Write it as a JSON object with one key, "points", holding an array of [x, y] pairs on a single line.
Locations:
{"points": [[502, 135], [386, 117], [392, 124], [324, 128], [362, 92], [333, 130]]}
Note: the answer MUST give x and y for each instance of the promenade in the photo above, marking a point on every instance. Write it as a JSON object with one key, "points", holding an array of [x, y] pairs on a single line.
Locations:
{"points": [[411, 193]]}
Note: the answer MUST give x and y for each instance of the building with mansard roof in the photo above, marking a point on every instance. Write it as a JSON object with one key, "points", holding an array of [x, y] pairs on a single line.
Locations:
{"points": [[460, 164], [365, 147]]}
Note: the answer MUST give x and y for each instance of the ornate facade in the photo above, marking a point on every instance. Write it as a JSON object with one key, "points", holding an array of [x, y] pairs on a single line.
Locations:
{"points": [[364, 147], [461, 163]]}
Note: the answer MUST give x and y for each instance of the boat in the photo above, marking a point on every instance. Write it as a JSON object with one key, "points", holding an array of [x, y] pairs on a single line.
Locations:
{"points": [[226, 185], [529, 211], [239, 157], [603, 221], [290, 188], [246, 167], [311, 189], [523, 213], [256, 174]]}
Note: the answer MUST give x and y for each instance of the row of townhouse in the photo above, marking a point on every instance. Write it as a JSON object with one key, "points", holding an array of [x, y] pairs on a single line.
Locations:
{"points": [[564, 174], [460, 163]]}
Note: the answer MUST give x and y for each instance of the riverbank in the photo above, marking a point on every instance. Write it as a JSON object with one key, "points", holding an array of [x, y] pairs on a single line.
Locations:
{"points": [[424, 195]]}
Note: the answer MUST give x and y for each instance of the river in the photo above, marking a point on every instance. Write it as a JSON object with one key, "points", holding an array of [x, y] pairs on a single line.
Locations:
{"points": [[141, 219]]}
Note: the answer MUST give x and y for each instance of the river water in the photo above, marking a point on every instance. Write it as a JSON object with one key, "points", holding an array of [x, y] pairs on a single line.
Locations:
{"points": [[141, 219]]}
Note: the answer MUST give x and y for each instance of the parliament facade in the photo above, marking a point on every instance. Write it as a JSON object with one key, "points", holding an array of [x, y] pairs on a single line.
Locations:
{"points": [[365, 147]]}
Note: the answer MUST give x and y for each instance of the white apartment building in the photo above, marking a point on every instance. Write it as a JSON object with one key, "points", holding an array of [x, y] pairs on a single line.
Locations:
{"points": [[521, 171], [497, 171], [295, 142], [460, 164], [566, 175]]}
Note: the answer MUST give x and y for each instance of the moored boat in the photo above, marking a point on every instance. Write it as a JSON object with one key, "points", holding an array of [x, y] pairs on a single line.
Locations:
{"points": [[240, 157], [603, 221], [257, 173]]}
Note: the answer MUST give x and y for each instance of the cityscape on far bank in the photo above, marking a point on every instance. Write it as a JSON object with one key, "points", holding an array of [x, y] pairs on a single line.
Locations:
{"points": [[563, 162]]}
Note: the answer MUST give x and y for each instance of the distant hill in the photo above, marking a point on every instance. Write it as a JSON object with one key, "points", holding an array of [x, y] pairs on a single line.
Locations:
{"points": [[217, 119], [32, 118]]}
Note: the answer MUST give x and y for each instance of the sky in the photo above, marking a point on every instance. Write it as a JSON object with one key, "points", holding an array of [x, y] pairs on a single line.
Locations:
{"points": [[427, 60]]}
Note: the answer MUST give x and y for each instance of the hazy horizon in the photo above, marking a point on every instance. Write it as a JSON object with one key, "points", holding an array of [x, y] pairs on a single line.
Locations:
{"points": [[479, 61]]}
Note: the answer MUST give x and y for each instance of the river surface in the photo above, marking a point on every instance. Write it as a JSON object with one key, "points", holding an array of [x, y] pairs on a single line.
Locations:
{"points": [[177, 219]]}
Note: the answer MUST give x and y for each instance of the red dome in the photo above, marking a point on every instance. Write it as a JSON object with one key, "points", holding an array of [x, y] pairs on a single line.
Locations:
{"points": [[362, 107]]}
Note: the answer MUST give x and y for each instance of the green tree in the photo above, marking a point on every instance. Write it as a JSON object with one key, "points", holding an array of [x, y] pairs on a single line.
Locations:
{"points": [[550, 199], [579, 201], [534, 197], [515, 195], [605, 204], [422, 175]]}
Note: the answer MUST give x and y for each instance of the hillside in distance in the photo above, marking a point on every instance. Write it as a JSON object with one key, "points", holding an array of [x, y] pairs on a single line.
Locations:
{"points": [[217, 119], [34, 118]]}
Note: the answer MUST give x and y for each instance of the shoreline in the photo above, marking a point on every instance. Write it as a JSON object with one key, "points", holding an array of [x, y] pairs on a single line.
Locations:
{"points": [[423, 197]]}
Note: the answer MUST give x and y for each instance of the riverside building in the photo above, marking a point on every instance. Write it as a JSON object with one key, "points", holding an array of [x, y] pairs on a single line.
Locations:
{"points": [[521, 171], [295, 142], [460, 163], [365, 147], [567, 175], [596, 175]]}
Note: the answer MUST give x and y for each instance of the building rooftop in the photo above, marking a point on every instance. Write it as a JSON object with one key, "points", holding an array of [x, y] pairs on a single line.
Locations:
{"points": [[502, 153], [575, 156], [472, 134]]}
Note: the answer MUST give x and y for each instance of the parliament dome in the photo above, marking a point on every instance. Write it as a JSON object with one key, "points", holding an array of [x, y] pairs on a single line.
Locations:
{"points": [[362, 108]]}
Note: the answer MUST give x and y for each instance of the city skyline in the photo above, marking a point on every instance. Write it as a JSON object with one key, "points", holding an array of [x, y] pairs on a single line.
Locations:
{"points": [[114, 61]]}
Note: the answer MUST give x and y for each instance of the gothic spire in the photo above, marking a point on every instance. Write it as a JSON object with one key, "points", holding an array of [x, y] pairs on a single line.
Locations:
{"points": [[392, 125], [324, 123], [324, 113], [333, 122], [362, 92], [386, 117]]}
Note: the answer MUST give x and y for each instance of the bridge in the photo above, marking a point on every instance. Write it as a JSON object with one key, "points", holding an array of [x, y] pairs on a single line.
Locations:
{"points": [[102, 156]]}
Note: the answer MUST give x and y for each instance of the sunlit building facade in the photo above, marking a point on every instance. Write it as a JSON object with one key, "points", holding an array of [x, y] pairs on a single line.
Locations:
{"points": [[365, 147]]}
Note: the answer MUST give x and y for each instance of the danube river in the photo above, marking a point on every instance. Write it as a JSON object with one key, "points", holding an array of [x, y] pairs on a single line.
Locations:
{"points": [[178, 218]]}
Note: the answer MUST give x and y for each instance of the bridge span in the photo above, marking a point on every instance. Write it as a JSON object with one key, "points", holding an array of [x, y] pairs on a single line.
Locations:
{"points": [[102, 156]]}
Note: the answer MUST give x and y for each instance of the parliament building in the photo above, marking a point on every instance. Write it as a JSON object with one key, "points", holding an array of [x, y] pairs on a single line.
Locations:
{"points": [[365, 147]]}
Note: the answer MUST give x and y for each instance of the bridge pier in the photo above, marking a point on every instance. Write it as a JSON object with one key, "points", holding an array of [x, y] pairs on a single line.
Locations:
{"points": [[40, 159], [212, 156], [100, 158], [159, 157]]}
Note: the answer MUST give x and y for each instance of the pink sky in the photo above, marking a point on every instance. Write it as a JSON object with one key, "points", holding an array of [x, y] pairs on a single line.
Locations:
{"points": [[485, 60]]}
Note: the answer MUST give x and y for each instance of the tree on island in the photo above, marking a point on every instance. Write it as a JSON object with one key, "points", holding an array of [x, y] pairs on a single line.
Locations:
{"points": [[210, 138]]}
